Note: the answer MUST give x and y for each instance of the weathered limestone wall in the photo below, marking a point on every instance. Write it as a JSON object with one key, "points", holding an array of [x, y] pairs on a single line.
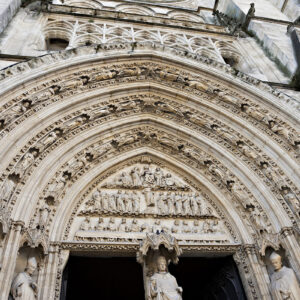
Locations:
{"points": [[8, 9], [272, 36], [291, 8]]}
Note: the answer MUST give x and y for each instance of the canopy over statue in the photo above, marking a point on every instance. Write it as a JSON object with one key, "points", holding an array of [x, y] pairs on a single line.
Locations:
{"points": [[155, 252]]}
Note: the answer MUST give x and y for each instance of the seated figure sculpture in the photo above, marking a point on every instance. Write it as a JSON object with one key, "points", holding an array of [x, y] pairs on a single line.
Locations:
{"points": [[163, 286], [284, 283]]}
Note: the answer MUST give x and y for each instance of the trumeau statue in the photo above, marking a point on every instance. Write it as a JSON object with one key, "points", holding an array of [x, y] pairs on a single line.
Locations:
{"points": [[284, 283], [163, 286], [23, 286]]}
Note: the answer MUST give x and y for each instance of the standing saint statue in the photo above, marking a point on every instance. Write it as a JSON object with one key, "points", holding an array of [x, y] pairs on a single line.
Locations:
{"points": [[23, 286], [284, 283], [163, 286]]}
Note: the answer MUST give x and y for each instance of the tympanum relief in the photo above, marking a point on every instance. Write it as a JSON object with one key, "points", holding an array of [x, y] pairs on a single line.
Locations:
{"points": [[146, 198]]}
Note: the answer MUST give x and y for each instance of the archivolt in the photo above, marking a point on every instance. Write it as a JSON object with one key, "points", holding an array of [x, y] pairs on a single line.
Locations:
{"points": [[202, 105]]}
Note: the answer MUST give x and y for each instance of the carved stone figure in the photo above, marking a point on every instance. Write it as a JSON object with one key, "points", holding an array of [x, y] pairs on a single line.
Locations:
{"points": [[86, 224], [45, 94], [96, 198], [111, 225], [209, 226], [134, 226], [145, 228], [215, 170], [271, 174], [120, 202], [254, 113], [49, 139], [76, 122], [56, 188], [23, 286], [125, 179], [239, 193], [105, 201], [100, 112], [291, 198], [193, 204], [162, 208], [227, 97], [195, 226], [7, 189], [159, 177], [112, 203], [225, 133], [200, 86], [156, 228], [178, 203], [246, 150], [147, 175], [258, 220], [284, 283], [109, 74], [127, 105], [123, 226], [176, 227], [169, 180], [278, 129], [76, 165], [195, 119], [135, 176], [135, 202], [128, 202], [44, 212], [170, 201], [15, 112], [186, 204], [163, 286], [100, 225], [149, 196], [74, 83], [26, 162], [186, 228]]}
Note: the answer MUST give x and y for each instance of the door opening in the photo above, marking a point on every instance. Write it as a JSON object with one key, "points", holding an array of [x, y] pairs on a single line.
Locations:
{"points": [[117, 278]]}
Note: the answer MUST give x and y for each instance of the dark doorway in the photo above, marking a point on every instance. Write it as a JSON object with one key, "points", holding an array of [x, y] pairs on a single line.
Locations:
{"points": [[208, 278], [112, 278], [118, 278]]}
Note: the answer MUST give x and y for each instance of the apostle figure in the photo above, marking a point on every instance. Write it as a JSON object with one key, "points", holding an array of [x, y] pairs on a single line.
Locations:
{"points": [[283, 281], [163, 286], [23, 286]]}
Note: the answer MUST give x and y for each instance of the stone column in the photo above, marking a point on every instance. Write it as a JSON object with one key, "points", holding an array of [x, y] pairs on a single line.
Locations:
{"points": [[54, 266], [290, 243], [10, 254], [254, 276]]}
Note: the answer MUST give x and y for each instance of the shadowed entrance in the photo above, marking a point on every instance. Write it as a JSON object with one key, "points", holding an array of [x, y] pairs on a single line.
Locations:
{"points": [[208, 278], [103, 278], [118, 278]]}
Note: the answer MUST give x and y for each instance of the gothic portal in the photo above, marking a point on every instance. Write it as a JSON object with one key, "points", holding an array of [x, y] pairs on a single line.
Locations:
{"points": [[157, 141]]}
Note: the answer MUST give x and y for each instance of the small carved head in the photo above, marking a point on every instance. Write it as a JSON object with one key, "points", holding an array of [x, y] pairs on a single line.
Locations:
{"points": [[162, 264], [276, 261], [31, 265], [177, 222]]}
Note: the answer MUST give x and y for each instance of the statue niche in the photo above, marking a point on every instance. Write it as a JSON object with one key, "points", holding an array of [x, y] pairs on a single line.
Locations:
{"points": [[155, 252]]}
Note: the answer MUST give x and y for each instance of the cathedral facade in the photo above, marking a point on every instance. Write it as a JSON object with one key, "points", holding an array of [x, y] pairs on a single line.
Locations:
{"points": [[129, 125]]}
